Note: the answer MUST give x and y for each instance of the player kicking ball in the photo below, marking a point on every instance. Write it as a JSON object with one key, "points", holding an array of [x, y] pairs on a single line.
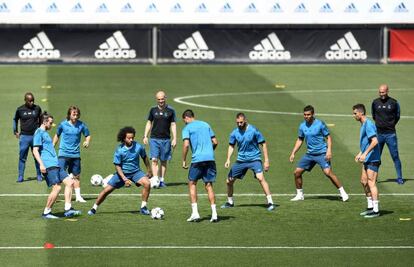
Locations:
{"points": [[45, 154], [128, 171], [249, 140]]}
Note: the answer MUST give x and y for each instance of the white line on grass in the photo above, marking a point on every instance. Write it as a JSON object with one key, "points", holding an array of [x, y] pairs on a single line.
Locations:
{"points": [[219, 195], [215, 247], [181, 101]]}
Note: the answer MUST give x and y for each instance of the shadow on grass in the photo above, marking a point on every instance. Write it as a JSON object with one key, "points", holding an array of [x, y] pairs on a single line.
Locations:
{"points": [[257, 205], [176, 184], [331, 198], [220, 218], [393, 180]]}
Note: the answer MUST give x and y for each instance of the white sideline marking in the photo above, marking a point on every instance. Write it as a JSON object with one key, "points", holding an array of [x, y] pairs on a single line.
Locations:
{"points": [[213, 247], [219, 195], [181, 101]]}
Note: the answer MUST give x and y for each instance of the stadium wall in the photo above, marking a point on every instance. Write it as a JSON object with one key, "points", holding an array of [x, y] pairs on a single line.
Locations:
{"points": [[160, 44]]}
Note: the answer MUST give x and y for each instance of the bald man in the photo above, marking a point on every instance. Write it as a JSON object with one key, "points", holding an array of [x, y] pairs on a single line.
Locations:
{"points": [[163, 138], [386, 114]]}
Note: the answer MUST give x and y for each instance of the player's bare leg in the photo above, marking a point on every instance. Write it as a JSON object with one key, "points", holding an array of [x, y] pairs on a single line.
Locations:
{"points": [[265, 186], [192, 188], [298, 183], [212, 199], [334, 179]]}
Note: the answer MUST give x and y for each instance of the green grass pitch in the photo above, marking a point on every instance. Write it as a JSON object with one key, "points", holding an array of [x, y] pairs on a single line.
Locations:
{"points": [[320, 231]]}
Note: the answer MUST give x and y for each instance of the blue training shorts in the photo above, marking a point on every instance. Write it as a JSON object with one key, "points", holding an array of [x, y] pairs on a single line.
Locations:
{"points": [[160, 149], [373, 166], [308, 161], [239, 169], [117, 182], [54, 175], [71, 165], [205, 170]]}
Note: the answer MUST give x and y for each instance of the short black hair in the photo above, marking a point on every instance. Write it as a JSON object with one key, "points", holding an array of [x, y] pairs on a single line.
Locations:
{"points": [[70, 111], [28, 94], [309, 108], [360, 108], [240, 114], [188, 113], [123, 133], [45, 116]]}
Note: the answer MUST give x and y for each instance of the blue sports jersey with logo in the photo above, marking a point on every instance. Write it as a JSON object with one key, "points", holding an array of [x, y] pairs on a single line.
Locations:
{"points": [[70, 137], [314, 135], [199, 133], [128, 157], [367, 131], [247, 143], [47, 151]]}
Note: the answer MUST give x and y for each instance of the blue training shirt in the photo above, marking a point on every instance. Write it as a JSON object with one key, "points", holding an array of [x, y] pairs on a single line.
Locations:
{"points": [[128, 157], [314, 135], [70, 138], [199, 133], [367, 131], [247, 143], [47, 151]]}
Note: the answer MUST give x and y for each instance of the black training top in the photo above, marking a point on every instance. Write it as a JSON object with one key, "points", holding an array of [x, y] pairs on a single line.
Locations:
{"points": [[161, 121], [386, 114], [29, 119]]}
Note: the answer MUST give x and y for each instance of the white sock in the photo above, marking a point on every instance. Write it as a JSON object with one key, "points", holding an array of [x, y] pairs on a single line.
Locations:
{"points": [[143, 204], [155, 177], [230, 200], [299, 191], [161, 179], [341, 190], [95, 206], [375, 204], [369, 202], [213, 211], [47, 210], [194, 208], [68, 206], [77, 192], [269, 199]]}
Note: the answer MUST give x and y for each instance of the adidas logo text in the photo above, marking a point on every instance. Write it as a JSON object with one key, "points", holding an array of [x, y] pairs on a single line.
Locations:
{"points": [[194, 47], [269, 48], [39, 47], [346, 48], [116, 47]]}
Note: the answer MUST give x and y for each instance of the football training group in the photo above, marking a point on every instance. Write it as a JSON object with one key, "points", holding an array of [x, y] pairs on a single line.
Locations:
{"points": [[160, 134]]}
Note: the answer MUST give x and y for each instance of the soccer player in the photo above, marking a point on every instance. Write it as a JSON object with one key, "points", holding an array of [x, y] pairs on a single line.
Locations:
{"points": [[248, 139], [29, 116], [70, 131], [161, 120], [128, 171], [386, 114], [370, 157], [319, 151], [200, 137], [45, 154]]}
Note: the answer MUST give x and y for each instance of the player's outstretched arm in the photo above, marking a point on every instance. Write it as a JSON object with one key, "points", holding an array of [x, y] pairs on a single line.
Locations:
{"points": [[55, 139], [298, 144], [229, 153], [87, 141], [266, 163], [186, 146], [328, 155], [146, 132], [174, 134]]}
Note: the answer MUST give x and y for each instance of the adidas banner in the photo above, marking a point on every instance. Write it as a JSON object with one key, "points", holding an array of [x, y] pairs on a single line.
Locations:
{"points": [[402, 45], [75, 45], [269, 45]]}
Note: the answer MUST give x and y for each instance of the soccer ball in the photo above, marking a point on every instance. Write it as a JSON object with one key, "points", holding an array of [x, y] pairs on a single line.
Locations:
{"points": [[157, 213], [155, 182], [106, 180], [96, 180]]}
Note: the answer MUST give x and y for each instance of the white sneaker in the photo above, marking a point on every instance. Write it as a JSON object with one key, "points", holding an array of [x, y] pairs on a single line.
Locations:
{"points": [[345, 197], [214, 219], [194, 218], [298, 197], [80, 199]]}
